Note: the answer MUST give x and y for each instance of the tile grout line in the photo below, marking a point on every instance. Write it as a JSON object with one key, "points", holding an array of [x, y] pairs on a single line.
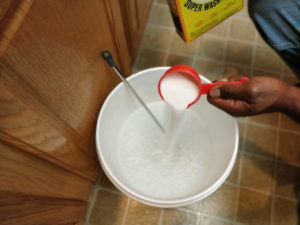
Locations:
{"points": [[209, 34], [204, 214], [161, 215], [275, 171], [168, 50], [92, 199], [99, 178], [195, 52], [258, 156], [253, 53], [248, 188], [240, 171], [228, 31], [261, 192], [273, 127], [213, 60], [287, 198], [229, 220], [126, 211], [198, 219], [263, 125], [281, 70], [110, 191], [165, 27]]}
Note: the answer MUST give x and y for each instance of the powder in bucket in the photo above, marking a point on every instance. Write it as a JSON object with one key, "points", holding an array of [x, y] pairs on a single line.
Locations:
{"points": [[149, 169]]}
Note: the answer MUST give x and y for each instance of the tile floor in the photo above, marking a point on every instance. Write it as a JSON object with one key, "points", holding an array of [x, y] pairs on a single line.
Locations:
{"points": [[262, 188]]}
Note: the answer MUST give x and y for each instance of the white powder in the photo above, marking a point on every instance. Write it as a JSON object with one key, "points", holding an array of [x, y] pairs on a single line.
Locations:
{"points": [[155, 172], [178, 90]]}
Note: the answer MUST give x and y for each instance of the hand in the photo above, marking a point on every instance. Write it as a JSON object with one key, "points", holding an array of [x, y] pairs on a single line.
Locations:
{"points": [[255, 96]]}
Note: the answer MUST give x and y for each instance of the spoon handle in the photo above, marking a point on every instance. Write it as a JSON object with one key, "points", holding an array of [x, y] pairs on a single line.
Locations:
{"points": [[109, 59]]}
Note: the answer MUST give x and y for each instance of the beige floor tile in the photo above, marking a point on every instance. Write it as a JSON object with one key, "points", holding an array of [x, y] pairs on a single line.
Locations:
{"points": [[271, 119], [285, 212], [179, 46], [108, 209], [210, 69], [261, 41], [254, 208], [221, 203], [161, 15], [211, 47], [157, 37], [162, 1], [260, 140], [176, 217], [291, 79], [173, 59], [242, 29], [193, 206], [286, 70], [263, 73], [231, 70], [139, 213], [267, 58], [241, 119], [106, 183], [220, 30], [150, 58], [287, 180], [233, 176], [242, 127], [239, 52], [204, 220], [243, 13], [288, 123], [258, 173], [289, 145]]}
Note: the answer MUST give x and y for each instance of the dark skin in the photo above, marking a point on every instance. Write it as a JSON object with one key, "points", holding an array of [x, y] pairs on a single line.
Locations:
{"points": [[255, 96]]}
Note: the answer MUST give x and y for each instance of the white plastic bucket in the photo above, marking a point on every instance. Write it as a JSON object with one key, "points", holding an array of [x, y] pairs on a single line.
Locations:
{"points": [[121, 103]]}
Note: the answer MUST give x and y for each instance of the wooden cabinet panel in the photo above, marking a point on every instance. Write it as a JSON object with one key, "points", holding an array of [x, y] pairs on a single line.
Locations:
{"points": [[26, 125], [25, 173], [56, 51], [21, 209], [135, 14], [53, 83], [12, 13], [4, 5]]}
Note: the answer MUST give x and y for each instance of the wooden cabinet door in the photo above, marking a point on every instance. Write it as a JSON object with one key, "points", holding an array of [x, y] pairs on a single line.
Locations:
{"points": [[135, 14], [52, 85]]}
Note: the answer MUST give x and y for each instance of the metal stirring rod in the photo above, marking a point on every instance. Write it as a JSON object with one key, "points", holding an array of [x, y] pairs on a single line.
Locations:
{"points": [[109, 59]]}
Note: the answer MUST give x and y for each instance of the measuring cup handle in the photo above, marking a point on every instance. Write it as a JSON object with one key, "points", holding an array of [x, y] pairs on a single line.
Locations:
{"points": [[206, 87]]}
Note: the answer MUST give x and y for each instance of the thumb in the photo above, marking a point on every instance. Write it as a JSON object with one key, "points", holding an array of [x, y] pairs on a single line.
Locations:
{"points": [[228, 91], [232, 98]]}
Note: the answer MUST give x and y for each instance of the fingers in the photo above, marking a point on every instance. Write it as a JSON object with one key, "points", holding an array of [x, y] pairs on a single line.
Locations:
{"points": [[231, 98], [233, 107], [230, 78], [229, 91]]}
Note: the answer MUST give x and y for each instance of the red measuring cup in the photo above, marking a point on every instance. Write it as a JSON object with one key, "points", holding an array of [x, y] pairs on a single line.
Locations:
{"points": [[189, 72]]}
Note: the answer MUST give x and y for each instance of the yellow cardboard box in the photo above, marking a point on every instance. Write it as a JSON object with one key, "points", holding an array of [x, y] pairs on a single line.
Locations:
{"points": [[194, 17]]}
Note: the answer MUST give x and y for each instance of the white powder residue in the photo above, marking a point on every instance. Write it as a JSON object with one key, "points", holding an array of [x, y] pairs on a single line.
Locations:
{"points": [[155, 172]]}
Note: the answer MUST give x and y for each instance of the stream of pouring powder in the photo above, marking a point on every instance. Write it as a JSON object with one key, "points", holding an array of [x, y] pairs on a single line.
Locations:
{"points": [[178, 92]]}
